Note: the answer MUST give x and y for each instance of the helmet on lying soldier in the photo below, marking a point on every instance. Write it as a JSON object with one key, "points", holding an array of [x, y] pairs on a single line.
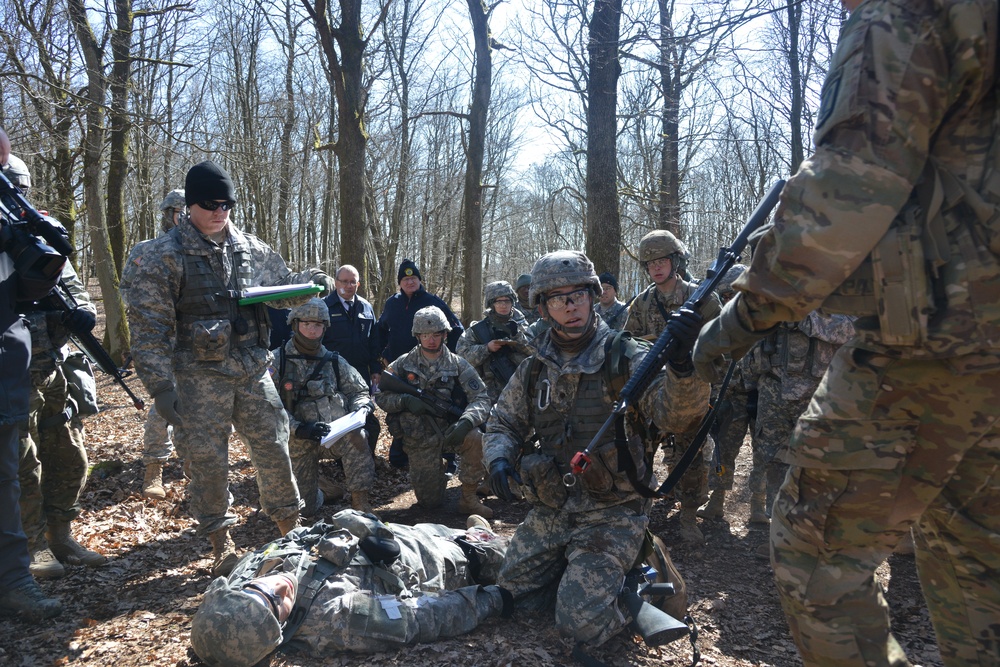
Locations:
{"points": [[429, 320], [232, 629]]}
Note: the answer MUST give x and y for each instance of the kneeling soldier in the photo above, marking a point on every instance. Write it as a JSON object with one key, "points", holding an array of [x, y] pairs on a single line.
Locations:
{"points": [[316, 387]]}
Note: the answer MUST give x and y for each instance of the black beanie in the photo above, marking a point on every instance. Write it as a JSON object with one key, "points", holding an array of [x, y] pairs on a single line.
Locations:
{"points": [[608, 278], [207, 181], [407, 269]]}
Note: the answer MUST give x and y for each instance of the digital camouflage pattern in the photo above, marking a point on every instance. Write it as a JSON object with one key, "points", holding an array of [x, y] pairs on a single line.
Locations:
{"points": [[477, 352], [310, 397], [895, 436], [213, 395], [53, 464], [599, 534], [614, 315], [351, 608], [422, 434]]}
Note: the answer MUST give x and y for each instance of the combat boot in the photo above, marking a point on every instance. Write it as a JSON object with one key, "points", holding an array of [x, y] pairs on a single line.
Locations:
{"points": [[332, 491], [469, 502], [223, 553], [689, 526], [758, 508], [68, 550], [152, 483], [714, 509], [45, 565], [30, 602], [476, 521], [360, 502], [289, 524]]}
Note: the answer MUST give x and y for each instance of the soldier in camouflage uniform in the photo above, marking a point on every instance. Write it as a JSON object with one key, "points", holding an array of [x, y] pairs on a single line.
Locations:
{"points": [[496, 344], [664, 258], [612, 310], [522, 286], [157, 445], [433, 368], [315, 392], [53, 459], [204, 358], [578, 541], [893, 219], [359, 584]]}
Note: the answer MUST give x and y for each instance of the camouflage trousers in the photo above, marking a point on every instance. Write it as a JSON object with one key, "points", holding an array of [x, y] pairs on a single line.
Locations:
{"points": [[157, 445], [210, 404], [53, 461], [578, 561], [776, 418], [692, 489], [885, 445], [352, 451], [427, 469], [732, 433]]}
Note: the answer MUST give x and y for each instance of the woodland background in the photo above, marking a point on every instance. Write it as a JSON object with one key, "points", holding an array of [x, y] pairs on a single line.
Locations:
{"points": [[469, 137]]}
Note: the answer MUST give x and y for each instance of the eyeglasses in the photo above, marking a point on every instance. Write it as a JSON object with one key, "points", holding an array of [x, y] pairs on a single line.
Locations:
{"points": [[503, 302], [273, 600], [213, 205], [660, 263], [560, 301]]}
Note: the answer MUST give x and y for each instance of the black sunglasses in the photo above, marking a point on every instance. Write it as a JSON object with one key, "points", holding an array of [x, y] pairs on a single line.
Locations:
{"points": [[213, 205]]}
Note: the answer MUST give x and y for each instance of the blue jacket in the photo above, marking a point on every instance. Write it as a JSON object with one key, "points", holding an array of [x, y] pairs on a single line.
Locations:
{"points": [[354, 336], [396, 322]]}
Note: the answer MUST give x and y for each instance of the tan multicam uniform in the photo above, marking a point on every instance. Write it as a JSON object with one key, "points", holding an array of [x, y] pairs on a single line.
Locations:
{"points": [[646, 321], [581, 539], [902, 433], [220, 375], [422, 434], [319, 397]]}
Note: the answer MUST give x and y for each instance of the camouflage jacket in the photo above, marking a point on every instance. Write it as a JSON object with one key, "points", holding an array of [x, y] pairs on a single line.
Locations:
{"points": [[671, 402], [156, 288], [530, 314], [131, 267], [614, 315], [644, 317], [438, 377], [49, 335], [476, 352], [909, 99], [798, 354], [309, 396]]}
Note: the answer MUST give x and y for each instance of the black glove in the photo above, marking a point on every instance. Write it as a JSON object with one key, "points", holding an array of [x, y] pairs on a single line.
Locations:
{"points": [[455, 434], [166, 406], [414, 405], [312, 430], [79, 321], [500, 470], [324, 281], [683, 326]]}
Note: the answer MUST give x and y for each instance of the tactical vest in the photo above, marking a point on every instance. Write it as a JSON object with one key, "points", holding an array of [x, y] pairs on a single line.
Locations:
{"points": [[204, 298]]}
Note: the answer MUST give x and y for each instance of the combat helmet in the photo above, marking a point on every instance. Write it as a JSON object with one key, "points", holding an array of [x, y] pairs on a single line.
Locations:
{"points": [[496, 290], [232, 629], [725, 288], [173, 201], [17, 173], [562, 268], [429, 320], [313, 310], [661, 243]]}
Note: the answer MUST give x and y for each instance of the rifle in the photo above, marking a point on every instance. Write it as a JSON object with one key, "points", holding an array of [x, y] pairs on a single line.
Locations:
{"points": [[92, 347], [499, 362], [657, 356], [439, 408]]}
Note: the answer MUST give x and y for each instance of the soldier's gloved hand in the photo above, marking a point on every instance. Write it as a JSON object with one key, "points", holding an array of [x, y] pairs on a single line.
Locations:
{"points": [[455, 434], [79, 321], [312, 430], [727, 333], [500, 470], [414, 405], [683, 326], [166, 404], [324, 281]]}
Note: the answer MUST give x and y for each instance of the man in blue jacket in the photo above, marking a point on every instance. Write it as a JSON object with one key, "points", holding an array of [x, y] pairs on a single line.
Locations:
{"points": [[394, 329]]}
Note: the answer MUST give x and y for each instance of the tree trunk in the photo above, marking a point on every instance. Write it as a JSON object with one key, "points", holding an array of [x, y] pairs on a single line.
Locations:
{"points": [[120, 126], [794, 8]]}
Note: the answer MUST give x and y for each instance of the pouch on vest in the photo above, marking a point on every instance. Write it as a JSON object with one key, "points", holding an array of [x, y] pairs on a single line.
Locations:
{"points": [[543, 481], [81, 383], [210, 339]]}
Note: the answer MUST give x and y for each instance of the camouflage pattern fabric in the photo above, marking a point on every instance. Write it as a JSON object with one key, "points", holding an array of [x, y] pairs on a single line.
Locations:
{"points": [[776, 418], [896, 435], [157, 438], [530, 314], [478, 354], [213, 395], [614, 315], [350, 609], [599, 537], [646, 320], [422, 434], [320, 399], [735, 423]]}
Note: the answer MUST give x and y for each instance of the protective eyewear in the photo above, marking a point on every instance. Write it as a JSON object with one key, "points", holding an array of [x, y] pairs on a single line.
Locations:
{"points": [[213, 205], [273, 600], [503, 302], [562, 300]]}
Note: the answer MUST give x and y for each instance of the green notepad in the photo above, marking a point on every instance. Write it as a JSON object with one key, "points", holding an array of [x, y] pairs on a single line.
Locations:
{"points": [[253, 295]]}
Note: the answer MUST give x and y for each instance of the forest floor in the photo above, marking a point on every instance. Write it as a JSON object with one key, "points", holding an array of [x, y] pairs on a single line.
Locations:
{"points": [[136, 610]]}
